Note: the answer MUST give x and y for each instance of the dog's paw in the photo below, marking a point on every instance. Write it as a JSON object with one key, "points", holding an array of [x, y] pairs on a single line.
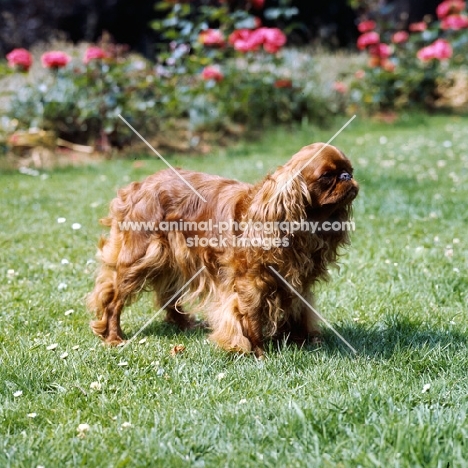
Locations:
{"points": [[316, 340], [114, 341]]}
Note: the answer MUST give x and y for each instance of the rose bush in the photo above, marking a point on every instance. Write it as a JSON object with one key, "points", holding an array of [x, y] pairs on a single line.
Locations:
{"points": [[217, 70], [406, 68], [81, 99]]}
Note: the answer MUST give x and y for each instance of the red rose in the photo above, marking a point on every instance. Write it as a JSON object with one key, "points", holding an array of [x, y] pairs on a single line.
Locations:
{"points": [[211, 37], [212, 73], [380, 50], [367, 39], [20, 59], [450, 7], [366, 26], [94, 53], [400, 37], [283, 83], [454, 22], [55, 59], [258, 4], [418, 27]]}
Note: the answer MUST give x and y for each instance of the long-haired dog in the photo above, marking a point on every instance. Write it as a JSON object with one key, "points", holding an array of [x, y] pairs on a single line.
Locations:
{"points": [[163, 235]]}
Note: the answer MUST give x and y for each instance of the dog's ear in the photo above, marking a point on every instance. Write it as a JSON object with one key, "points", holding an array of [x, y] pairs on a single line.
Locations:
{"points": [[283, 196]]}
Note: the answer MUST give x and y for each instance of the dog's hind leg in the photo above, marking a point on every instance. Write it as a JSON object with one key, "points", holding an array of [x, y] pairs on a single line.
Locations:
{"points": [[113, 289], [122, 275], [100, 299]]}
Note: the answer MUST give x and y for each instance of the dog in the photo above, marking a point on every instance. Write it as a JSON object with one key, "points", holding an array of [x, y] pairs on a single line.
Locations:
{"points": [[241, 253]]}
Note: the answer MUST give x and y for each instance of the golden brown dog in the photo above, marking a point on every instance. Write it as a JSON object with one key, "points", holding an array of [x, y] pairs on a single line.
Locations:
{"points": [[163, 235]]}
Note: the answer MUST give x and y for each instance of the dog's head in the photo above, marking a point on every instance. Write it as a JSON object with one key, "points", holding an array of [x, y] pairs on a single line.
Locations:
{"points": [[328, 175], [316, 183]]}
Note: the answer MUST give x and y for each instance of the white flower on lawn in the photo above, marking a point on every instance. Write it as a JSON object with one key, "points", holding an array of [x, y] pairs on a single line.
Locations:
{"points": [[69, 312], [64, 261], [426, 388], [64, 355], [61, 220], [95, 386], [31, 415], [76, 226], [62, 286], [82, 429], [221, 375], [17, 393], [125, 425], [52, 346]]}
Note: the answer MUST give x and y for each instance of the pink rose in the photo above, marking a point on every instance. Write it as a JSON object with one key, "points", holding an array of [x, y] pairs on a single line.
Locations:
{"points": [[367, 39], [366, 26], [212, 73], [360, 74], [400, 37], [442, 49], [247, 40], [20, 59], [418, 27], [340, 87], [454, 22], [439, 50], [380, 50], [244, 40], [272, 38], [388, 66], [94, 53], [450, 7], [211, 37], [425, 54], [55, 59]]}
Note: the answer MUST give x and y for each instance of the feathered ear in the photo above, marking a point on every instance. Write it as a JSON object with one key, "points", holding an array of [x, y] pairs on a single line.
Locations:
{"points": [[283, 196]]}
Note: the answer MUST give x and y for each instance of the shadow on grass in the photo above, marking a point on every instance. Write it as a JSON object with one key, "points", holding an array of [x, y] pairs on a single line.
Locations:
{"points": [[381, 341], [384, 340], [166, 330]]}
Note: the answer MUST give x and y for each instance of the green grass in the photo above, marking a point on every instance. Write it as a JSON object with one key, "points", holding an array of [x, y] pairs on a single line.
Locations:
{"points": [[399, 298]]}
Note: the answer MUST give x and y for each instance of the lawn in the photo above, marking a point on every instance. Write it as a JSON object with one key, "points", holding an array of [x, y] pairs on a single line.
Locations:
{"points": [[399, 298]]}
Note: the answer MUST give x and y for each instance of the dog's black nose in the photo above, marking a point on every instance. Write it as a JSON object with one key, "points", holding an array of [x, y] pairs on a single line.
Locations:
{"points": [[345, 176]]}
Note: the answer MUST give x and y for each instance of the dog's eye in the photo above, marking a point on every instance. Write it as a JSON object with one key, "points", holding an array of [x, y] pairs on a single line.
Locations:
{"points": [[345, 176], [327, 175]]}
